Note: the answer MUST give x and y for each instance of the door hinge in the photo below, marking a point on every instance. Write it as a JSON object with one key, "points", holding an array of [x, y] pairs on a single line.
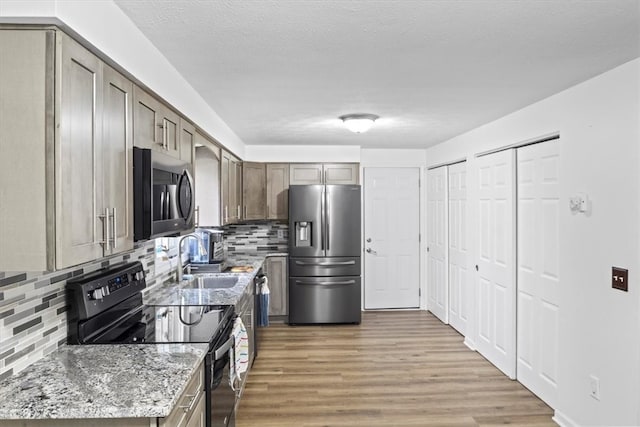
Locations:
{"points": [[419, 237], [419, 292]]}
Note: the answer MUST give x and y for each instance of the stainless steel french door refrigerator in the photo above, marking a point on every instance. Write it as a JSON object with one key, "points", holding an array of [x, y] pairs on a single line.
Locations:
{"points": [[324, 254]]}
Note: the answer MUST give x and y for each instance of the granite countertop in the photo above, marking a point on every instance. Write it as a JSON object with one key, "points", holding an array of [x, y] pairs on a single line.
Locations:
{"points": [[187, 292], [102, 381]]}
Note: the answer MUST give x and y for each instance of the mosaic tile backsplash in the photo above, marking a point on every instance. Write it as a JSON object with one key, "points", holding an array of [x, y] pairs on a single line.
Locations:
{"points": [[262, 236], [33, 307]]}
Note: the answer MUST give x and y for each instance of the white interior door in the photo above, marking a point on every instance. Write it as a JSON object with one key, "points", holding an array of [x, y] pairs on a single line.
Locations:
{"points": [[538, 270], [437, 233], [458, 288], [391, 232], [496, 278]]}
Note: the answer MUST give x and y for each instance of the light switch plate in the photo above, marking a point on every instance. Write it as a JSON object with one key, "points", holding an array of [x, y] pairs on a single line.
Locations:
{"points": [[620, 278]]}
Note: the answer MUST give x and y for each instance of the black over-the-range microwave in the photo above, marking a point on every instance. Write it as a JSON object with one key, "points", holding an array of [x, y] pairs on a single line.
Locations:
{"points": [[163, 195]]}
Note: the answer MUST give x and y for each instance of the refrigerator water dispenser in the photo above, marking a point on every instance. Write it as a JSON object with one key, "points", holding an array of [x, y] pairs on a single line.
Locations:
{"points": [[303, 233]]}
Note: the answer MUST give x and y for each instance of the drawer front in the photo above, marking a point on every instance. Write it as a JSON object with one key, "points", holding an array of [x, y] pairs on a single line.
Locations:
{"points": [[324, 300], [187, 403], [324, 267]]}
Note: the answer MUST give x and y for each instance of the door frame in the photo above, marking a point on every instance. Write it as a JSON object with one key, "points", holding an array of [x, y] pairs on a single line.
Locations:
{"points": [[420, 165]]}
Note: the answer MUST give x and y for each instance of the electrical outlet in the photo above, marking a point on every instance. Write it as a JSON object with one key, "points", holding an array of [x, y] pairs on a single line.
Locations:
{"points": [[280, 234], [594, 387], [620, 278]]}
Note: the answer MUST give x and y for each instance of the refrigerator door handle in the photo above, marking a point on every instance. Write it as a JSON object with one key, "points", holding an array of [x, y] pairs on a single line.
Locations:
{"points": [[345, 282], [322, 219], [326, 264], [328, 219]]}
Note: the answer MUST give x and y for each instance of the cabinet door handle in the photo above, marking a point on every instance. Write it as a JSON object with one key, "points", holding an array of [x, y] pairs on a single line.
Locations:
{"points": [[245, 211], [165, 143], [192, 401], [115, 227], [226, 213], [106, 234], [238, 211], [161, 126]]}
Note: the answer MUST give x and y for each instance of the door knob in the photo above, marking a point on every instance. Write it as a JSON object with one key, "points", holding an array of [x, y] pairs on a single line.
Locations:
{"points": [[369, 240], [371, 251]]}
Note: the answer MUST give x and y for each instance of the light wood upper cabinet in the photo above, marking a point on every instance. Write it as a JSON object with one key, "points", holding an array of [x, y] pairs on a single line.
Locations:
{"points": [[341, 173], [156, 125], [117, 159], [231, 188], [305, 173], [81, 217], [225, 163], [187, 141], [254, 191], [277, 190], [236, 189], [94, 201], [27, 237], [72, 203], [276, 271], [324, 173]]}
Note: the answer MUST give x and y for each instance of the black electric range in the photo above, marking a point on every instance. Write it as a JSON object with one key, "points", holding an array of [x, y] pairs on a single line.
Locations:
{"points": [[106, 307]]}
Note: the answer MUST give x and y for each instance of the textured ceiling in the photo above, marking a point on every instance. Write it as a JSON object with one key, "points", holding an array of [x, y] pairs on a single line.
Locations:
{"points": [[281, 72]]}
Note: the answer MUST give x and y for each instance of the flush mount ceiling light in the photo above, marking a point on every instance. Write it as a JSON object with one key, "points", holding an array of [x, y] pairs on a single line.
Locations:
{"points": [[358, 123]]}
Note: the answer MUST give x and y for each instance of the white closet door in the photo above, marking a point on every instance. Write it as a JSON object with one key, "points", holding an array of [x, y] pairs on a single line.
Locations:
{"points": [[538, 270], [437, 283], [496, 278], [458, 288], [392, 233]]}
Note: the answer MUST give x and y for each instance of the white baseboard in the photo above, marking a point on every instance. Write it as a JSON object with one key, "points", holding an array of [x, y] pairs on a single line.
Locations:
{"points": [[470, 344], [563, 421]]}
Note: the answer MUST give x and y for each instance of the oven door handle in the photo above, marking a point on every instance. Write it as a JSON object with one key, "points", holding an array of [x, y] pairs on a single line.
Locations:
{"points": [[223, 349]]}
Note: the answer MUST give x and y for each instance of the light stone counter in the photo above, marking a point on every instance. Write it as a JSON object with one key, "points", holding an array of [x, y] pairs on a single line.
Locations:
{"points": [[102, 381], [186, 293]]}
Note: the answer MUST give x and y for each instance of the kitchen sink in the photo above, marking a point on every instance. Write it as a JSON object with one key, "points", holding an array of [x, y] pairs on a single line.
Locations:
{"points": [[214, 282]]}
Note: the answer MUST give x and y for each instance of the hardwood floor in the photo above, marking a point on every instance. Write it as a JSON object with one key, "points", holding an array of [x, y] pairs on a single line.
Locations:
{"points": [[400, 368]]}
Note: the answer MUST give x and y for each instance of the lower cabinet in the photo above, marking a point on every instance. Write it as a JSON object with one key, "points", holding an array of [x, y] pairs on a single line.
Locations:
{"points": [[276, 270], [199, 415], [190, 409]]}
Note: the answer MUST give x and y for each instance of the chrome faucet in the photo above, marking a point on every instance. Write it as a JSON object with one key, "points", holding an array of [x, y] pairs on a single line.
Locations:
{"points": [[179, 269]]}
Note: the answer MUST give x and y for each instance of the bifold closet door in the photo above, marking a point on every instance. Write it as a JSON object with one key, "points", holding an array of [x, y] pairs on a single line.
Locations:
{"points": [[458, 288], [437, 233], [496, 278], [538, 269]]}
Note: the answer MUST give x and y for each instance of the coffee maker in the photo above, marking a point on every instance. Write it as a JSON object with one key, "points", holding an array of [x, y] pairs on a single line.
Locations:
{"points": [[213, 259]]}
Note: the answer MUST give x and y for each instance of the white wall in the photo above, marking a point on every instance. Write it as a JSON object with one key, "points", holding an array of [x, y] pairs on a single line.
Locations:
{"points": [[599, 126], [106, 27], [302, 153], [393, 157]]}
